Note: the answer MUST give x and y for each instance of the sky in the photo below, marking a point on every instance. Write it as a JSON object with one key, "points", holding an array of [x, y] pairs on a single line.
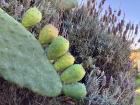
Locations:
{"points": [[131, 8]]}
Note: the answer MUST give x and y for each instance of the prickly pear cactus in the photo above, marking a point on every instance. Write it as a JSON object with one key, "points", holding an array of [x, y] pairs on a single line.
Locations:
{"points": [[73, 74], [31, 17], [57, 48], [64, 62], [22, 59], [47, 34], [76, 90]]}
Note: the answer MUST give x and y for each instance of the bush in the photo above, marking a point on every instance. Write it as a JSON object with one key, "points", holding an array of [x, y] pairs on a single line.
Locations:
{"points": [[106, 90], [99, 37]]}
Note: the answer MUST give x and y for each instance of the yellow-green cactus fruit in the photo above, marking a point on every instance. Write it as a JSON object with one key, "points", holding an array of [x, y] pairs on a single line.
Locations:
{"points": [[48, 33], [65, 4], [31, 17], [57, 48], [73, 74], [64, 62], [75, 90]]}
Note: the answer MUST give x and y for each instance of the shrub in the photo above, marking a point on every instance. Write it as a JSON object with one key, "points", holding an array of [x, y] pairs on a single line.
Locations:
{"points": [[106, 90], [101, 37]]}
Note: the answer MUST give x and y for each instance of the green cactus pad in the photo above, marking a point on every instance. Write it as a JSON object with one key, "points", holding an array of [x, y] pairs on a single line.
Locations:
{"points": [[57, 48], [64, 62], [76, 90], [31, 17], [73, 74], [22, 59]]}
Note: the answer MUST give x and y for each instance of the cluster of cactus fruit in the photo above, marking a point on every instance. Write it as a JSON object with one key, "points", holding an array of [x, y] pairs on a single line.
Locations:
{"points": [[24, 63], [57, 52], [63, 62]]}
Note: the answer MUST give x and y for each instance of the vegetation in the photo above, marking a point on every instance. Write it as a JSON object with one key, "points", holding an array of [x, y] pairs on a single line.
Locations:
{"points": [[99, 40]]}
